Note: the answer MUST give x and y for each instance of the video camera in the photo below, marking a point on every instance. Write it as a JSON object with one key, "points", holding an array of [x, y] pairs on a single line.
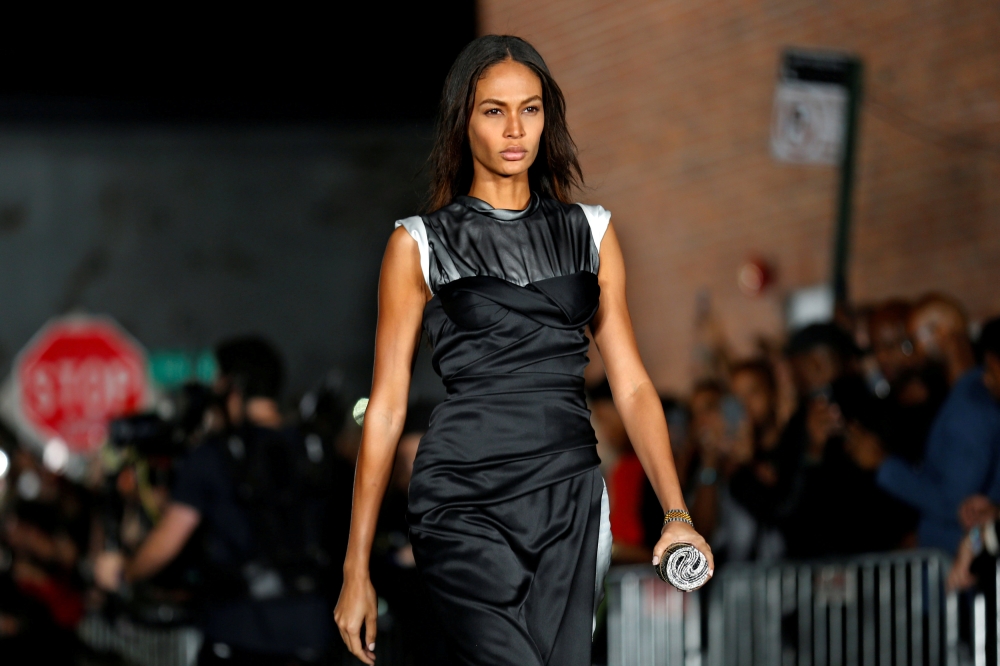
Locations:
{"points": [[139, 464], [155, 434]]}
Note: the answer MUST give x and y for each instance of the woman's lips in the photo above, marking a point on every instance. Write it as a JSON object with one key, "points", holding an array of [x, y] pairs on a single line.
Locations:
{"points": [[514, 154]]}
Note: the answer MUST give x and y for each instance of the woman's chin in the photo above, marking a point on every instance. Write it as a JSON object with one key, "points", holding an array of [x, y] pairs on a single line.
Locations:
{"points": [[512, 168]]}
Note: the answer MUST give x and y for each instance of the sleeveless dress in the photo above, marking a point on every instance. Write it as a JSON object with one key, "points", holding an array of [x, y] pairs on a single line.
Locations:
{"points": [[507, 508]]}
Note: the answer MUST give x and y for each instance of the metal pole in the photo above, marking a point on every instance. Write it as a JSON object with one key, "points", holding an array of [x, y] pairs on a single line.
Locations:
{"points": [[841, 245]]}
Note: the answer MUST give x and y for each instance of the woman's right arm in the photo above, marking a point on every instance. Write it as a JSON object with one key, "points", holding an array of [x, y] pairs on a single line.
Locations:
{"points": [[402, 295]]}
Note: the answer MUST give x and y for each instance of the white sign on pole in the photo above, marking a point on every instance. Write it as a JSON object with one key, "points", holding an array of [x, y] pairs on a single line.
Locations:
{"points": [[809, 122], [809, 305]]}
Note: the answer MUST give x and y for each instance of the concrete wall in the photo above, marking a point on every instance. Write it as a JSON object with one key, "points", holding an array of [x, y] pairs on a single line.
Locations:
{"points": [[188, 235], [670, 103]]}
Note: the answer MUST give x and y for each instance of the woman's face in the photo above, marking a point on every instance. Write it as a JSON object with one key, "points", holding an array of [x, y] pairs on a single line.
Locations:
{"points": [[507, 119]]}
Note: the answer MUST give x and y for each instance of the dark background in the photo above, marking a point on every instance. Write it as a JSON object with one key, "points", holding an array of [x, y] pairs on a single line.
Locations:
{"points": [[199, 179], [361, 62]]}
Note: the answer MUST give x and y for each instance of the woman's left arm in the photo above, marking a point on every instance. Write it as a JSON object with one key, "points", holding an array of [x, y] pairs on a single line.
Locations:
{"points": [[636, 398]]}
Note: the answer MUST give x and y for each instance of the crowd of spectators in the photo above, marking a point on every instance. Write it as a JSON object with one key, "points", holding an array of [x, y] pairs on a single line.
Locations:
{"points": [[222, 510], [876, 432], [872, 433]]}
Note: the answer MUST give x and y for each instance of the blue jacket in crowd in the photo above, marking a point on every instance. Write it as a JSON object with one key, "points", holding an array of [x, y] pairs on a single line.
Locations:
{"points": [[962, 459]]}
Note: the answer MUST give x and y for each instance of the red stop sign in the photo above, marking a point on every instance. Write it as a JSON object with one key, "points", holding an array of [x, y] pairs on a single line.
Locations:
{"points": [[75, 375]]}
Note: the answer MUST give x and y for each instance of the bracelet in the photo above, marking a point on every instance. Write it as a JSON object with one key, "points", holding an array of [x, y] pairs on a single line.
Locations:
{"points": [[677, 516]]}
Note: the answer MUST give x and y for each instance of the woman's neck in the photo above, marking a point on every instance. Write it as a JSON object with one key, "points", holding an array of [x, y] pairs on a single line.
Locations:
{"points": [[502, 192]]}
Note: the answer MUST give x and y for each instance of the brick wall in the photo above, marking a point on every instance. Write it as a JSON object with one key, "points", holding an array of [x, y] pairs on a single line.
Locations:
{"points": [[670, 103]]}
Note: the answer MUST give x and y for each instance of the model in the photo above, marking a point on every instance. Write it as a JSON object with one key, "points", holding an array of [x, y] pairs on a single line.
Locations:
{"points": [[507, 507]]}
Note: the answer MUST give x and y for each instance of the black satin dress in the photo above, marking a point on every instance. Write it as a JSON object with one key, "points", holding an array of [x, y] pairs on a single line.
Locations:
{"points": [[505, 499]]}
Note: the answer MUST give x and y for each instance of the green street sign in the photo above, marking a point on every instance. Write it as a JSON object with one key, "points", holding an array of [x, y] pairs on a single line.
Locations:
{"points": [[170, 368]]}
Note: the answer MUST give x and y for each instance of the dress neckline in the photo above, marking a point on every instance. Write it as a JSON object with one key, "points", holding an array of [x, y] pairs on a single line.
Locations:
{"points": [[500, 214]]}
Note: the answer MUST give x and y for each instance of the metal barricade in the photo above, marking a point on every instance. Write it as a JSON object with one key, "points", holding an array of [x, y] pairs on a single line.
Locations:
{"points": [[886, 610], [140, 645], [651, 623], [983, 619]]}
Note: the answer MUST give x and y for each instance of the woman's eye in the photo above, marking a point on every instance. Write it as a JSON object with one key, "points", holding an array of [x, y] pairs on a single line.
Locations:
{"points": [[531, 109], [493, 112]]}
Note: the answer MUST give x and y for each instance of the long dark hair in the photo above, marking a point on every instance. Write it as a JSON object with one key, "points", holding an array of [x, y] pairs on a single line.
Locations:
{"points": [[555, 171]]}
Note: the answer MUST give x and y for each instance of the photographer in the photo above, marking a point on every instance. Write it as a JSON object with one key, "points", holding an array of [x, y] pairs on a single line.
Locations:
{"points": [[140, 464], [259, 497]]}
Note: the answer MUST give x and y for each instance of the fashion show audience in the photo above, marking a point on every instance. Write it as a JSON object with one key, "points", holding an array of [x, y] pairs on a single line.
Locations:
{"points": [[960, 459], [913, 389], [893, 426], [893, 421], [255, 493]]}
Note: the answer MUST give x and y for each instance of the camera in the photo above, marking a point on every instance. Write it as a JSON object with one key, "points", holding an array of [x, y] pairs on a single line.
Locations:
{"points": [[139, 462]]}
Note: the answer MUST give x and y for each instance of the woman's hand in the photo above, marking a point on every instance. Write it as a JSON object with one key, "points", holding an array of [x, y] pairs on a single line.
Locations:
{"points": [[358, 605], [679, 532]]}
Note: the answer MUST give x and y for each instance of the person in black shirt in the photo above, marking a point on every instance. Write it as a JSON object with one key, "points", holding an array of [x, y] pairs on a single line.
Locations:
{"points": [[814, 482], [260, 516]]}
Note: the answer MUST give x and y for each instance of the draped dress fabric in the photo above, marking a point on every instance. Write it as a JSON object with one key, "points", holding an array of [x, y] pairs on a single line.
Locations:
{"points": [[507, 507]]}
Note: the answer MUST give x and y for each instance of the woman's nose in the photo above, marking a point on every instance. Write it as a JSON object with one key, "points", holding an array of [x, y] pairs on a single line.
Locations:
{"points": [[515, 130]]}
